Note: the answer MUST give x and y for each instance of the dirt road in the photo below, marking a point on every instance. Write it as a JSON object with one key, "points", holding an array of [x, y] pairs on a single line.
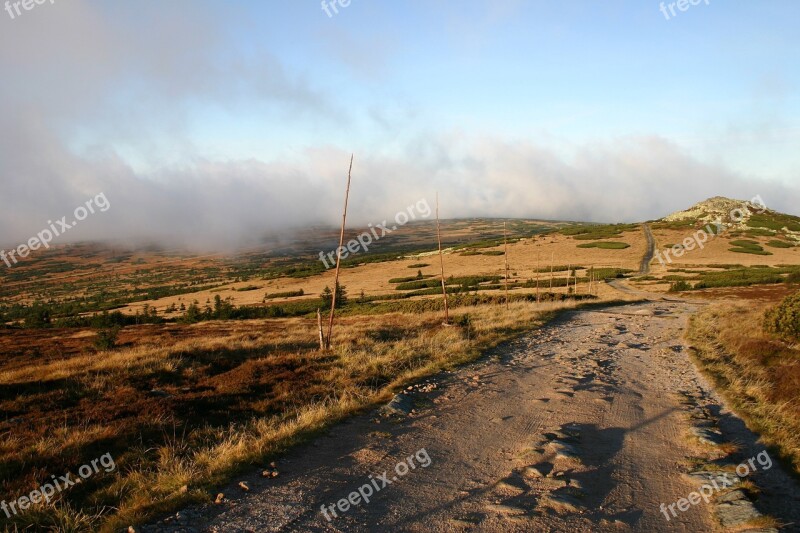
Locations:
{"points": [[644, 267], [581, 426]]}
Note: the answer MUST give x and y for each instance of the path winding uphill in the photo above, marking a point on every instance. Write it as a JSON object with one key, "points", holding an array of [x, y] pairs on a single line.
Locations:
{"points": [[585, 425], [650, 253]]}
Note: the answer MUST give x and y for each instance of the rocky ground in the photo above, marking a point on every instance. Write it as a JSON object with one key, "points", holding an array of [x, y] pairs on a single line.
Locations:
{"points": [[589, 424]]}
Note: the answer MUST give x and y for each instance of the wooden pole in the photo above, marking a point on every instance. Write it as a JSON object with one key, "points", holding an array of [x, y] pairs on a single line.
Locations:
{"points": [[538, 267], [576, 282], [505, 254], [552, 257], [441, 262], [339, 258], [569, 273], [321, 334]]}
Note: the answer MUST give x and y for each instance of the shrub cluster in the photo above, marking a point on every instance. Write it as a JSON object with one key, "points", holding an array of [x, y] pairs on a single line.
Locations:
{"points": [[783, 320]]}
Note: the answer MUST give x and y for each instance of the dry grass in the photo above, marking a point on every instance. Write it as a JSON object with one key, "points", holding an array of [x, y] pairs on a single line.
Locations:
{"points": [[717, 250], [174, 450], [758, 375], [373, 278]]}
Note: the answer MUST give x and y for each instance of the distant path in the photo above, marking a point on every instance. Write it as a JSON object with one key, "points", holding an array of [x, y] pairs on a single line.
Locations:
{"points": [[644, 268], [581, 426]]}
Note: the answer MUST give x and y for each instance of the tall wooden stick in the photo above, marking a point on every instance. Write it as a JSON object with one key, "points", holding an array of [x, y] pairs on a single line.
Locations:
{"points": [[441, 262], [538, 267], [339, 258], [569, 273], [321, 335], [505, 254], [552, 258], [576, 282]]}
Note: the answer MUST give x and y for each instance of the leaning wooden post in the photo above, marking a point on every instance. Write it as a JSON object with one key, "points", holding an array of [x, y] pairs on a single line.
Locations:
{"points": [[441, 262], [339, 258], [321, 334], [505, 254]]}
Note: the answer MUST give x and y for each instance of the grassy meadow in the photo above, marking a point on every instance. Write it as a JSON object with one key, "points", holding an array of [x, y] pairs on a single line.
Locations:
{"points": [[189, 369]]}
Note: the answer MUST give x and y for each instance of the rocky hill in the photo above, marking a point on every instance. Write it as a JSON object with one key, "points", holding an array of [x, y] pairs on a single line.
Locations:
{"points": [[752, 215]]}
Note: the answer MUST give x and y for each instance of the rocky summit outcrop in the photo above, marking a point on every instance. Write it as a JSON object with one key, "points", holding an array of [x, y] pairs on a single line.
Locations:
{"points": [[718, 208]]}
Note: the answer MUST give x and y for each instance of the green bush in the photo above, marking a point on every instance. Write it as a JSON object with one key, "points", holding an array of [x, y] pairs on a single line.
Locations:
{"points": [[287, 294], [559, 268], [472, 281], [597, 231], [742, 277], [760, 232], [680, 286], [754, 251], [779, 244], [675, 277], [774, 221], [745, 244], [248, 288], [605, 245], [410, 279], [418, 284], [784, 319], [610, 273], [106, 339]]}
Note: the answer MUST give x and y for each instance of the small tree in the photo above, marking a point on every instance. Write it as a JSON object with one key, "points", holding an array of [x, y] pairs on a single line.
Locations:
{"points": [[327, 296], [37, 317], [107, 339], [419, 274], [193, 314], [222, 308]]}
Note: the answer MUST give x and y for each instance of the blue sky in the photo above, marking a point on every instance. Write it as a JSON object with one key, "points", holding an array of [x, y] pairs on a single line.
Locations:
{"points": [[519, 108], [719, 75]]}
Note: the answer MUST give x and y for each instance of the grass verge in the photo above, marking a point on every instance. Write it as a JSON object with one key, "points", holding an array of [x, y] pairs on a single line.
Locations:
{"points": [[758, 375]]}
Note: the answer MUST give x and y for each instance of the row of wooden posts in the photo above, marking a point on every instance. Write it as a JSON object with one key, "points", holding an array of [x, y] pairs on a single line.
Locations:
{"points": [[325, 340]]}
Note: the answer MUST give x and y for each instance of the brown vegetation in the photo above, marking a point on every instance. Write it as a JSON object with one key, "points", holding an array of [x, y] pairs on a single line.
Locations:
{"points": [[758, 373], [183, 407]]}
